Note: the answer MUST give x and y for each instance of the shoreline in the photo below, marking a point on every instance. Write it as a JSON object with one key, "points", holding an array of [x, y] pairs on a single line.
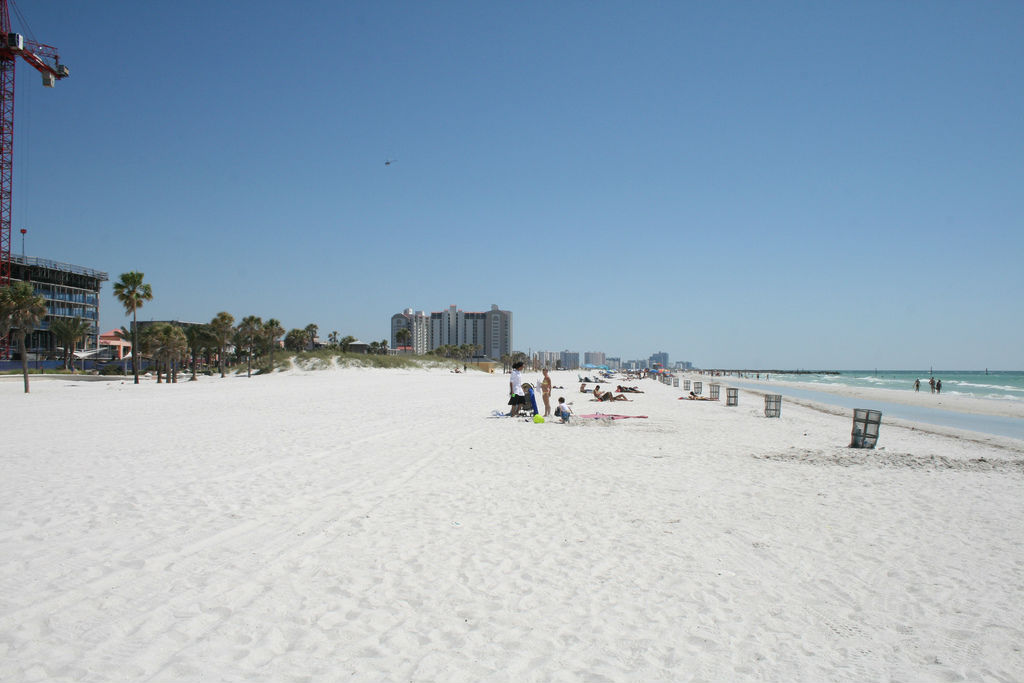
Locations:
{"points": [[948, 402]]}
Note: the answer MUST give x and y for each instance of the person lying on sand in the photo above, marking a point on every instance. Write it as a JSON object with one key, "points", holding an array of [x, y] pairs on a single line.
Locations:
{"points": [[695, 397], [607, 395], [628, 390]]}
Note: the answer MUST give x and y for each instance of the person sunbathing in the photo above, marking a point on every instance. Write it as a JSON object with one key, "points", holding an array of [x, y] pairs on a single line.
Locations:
{"points": [[607, 395], [695, 397], [628, 390]]}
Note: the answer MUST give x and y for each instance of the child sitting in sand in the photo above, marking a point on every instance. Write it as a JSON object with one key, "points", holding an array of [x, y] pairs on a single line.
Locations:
{"points": [[563, 411]]}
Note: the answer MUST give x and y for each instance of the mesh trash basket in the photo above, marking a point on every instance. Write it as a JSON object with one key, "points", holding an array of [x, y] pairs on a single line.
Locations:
{"points": [[697, 388], [772, 405], [675, 381], [713, 390], [732, 396], [866, 424], [686, 385]]}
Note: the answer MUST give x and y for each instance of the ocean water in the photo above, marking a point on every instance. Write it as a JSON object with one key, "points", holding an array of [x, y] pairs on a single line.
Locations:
{"points": [[1006, 385]]}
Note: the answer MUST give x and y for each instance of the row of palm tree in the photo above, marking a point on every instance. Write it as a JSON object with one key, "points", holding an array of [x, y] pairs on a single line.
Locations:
{"points": [[510, 359], [168, 344], [458, 351], [68, 332]]}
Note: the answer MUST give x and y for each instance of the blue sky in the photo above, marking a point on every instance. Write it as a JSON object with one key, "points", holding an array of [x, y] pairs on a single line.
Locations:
{"points": [[745, 184]]}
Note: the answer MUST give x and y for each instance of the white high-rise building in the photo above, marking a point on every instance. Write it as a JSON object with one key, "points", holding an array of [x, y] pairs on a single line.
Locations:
{"points": [[490, 332], [547, 359], [418, 324]]}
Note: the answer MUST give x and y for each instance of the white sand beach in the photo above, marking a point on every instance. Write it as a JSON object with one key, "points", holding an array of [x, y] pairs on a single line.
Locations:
{"points": [[382, 525]]}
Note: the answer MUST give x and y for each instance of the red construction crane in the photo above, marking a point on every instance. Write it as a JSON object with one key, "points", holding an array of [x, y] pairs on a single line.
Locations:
{"points": [[45, 60]]}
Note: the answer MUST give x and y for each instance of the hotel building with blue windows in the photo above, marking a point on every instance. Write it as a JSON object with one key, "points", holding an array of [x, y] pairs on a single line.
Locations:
{"points": [[70, 291]]}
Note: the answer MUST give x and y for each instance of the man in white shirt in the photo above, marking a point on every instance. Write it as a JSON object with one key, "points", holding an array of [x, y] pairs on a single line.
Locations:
{"points": [[518, 397]]}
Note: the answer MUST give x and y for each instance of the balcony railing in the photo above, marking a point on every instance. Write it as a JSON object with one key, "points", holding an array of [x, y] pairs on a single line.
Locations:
{"points": [[57, 265]]}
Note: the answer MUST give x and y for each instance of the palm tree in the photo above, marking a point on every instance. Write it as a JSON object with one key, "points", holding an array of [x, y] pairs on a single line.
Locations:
{"points": [[68, 332], [21, 309], [295, 340], [332, 338], [272, 331], [167, 343], [147, 346], [346, 342], [403, 337], [222, 326], [199, 337], [174, 347], [126, 336], [249, 333], [132, 292], [311, 330]]}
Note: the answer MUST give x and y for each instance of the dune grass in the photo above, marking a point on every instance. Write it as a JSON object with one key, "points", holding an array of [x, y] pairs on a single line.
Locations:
{"points": [[322, 359]]}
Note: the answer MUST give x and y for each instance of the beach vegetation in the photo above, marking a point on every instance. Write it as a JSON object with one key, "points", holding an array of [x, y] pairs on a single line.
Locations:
{"points": [[311, 332], [378, 348], [272, 332], [403, 336], [461, 352], [200, 338], [133, 292], [69, 331], [322, 359], [295, 340], [21, 310], [168, 345], [223, 327], [249, 333]]}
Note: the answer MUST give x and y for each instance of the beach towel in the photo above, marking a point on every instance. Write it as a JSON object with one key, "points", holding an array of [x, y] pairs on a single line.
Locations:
{"points": [[603, 416]]}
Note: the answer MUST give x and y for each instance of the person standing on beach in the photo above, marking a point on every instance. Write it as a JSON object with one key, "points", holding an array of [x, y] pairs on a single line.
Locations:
{"points": [[917, 385], [515, 386], [931, 383], [545, 391], [938, 386]]}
